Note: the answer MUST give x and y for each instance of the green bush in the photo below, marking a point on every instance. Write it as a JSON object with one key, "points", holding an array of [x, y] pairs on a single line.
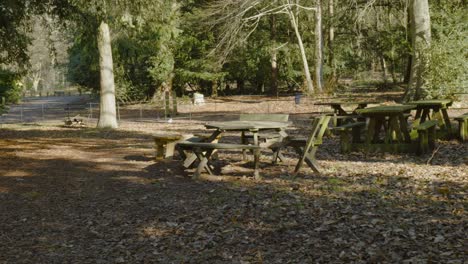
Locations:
{"points": [[10, 87]]}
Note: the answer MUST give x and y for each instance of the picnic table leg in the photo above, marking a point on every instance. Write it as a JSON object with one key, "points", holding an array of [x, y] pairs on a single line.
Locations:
{"points": [[379, 123], [425, 114], [446, 119], [190, 159], [370, 131], [244, 141], [257, 164], [277, 155], [311, 161], [203, 162], [404, 128], [395, 129], [417, 117]]}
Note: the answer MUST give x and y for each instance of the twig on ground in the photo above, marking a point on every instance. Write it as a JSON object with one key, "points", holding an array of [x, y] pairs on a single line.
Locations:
{"points": [[433, 154]]}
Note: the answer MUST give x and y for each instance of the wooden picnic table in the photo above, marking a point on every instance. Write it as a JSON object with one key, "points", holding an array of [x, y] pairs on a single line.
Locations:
{"points": [[433, 110], [254, 127], [387, 128]]}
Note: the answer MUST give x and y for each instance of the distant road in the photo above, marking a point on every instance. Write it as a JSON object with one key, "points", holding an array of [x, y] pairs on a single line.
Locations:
{"points": [[51, 108]]}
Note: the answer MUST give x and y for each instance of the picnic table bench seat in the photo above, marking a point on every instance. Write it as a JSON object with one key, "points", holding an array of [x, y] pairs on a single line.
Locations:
{"points": [[426, 135], [165, 143], [204, 151], [463, 126]]}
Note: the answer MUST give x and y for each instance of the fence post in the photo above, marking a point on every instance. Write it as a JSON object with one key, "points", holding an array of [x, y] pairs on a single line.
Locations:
{"points": [[190, 112], [42, 111], [21, 111], [141, 112], [90, 113]]}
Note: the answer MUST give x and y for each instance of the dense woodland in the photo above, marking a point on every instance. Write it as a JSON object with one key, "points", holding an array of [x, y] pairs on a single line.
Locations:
{"points": [[222, 47]]}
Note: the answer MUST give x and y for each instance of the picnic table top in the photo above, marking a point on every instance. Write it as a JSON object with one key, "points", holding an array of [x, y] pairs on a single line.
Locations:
{"points": [[247, 125], [436, 102], [385, 110], [346, 102]]}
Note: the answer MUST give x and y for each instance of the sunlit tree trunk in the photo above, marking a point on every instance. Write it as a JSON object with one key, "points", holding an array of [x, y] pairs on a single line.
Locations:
{"points": [[274, 63], [421, 41], [331, 38], [318, 46], [308, 78], [107, 114]]}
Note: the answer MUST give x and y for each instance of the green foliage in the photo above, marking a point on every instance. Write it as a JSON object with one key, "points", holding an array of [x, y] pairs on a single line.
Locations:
{"points": [[10, 86], [449, 65], [83, 68]]}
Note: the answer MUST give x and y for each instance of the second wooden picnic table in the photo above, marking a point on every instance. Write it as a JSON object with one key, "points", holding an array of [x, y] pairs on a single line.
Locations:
{"points": [[433, 110], [391, 120]]}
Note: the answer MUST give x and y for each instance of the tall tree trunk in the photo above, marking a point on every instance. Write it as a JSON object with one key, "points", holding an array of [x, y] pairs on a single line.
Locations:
{"points": [[274, 63], [214, 89], [421, 41], [318, 46], [408, 37], [108, 113], [308, 79], [383, 66], [331, 37]]}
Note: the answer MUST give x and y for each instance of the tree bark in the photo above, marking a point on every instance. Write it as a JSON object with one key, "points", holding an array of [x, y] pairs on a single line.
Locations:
{"points": [[214, 89], [331, 38], [308, 79], [274, 63], [421, 41], [318, 46], [108, 113], [383, 66]]}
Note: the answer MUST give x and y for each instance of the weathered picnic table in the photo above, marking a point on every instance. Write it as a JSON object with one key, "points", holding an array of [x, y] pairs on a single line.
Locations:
{"points": [[387, 129], [254, 127], [433, 110]]}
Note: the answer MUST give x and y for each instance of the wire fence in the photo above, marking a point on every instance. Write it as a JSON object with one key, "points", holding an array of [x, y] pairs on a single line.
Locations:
{"points": [[300, 110]]}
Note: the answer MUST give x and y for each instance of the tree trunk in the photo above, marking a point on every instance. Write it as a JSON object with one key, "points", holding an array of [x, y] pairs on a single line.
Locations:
{"points": [[308, 79], [410, 57], [108, 113], [214, 89], [318, 46], [421, 41], [383, 66], [331, 38], [274, 64]]}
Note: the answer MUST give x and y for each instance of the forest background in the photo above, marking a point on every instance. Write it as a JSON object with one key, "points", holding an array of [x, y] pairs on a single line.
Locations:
{"points": [[227, 47]]}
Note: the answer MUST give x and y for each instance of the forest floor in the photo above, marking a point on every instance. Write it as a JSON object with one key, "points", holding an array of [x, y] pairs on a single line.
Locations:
{"points": [[83, 195]]}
